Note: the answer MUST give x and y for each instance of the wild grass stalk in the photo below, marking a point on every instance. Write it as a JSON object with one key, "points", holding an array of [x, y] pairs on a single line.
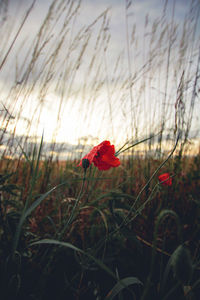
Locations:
{"points": [[96, 222], [151, 88]]}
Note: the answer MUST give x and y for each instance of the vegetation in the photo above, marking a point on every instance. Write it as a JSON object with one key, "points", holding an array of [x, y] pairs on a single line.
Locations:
{"points": [[125, 237], [100, 230]]}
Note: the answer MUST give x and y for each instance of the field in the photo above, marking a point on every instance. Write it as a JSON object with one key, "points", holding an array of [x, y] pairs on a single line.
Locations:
{"points": [[99, 151], [154, 253]]}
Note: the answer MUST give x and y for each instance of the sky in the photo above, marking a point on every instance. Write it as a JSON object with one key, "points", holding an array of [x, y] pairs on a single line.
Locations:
{"points": [[99, 70]]}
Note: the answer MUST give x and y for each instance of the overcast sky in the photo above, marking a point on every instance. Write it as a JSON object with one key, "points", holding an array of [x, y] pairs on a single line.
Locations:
{"points": [[82, 112]]}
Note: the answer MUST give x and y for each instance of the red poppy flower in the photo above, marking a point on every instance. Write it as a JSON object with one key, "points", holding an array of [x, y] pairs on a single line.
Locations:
{"points": [[165, 179], [102, 156]]}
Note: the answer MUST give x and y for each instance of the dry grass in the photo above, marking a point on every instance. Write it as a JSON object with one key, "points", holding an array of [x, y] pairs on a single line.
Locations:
{"points": [[150, 87]]}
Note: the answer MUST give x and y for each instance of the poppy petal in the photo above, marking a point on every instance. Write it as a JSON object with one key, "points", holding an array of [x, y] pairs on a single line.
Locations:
{"points": [[103, 156]]}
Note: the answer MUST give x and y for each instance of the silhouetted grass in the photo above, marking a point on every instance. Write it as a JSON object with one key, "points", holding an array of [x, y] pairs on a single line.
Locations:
{"points": [[117, 234]]}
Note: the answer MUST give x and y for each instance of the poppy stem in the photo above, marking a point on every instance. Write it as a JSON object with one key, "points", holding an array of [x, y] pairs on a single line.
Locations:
{"points": [[128, 217], [75, 205], [150, 179], [133, 145]]}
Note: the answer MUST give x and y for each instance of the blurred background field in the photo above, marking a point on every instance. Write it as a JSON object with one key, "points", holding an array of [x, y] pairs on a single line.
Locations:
{"points": [[75, 73]]}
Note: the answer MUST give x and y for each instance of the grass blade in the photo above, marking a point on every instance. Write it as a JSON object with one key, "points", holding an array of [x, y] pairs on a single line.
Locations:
{"points": [[27, 213], [68, 245], [121, 285]]}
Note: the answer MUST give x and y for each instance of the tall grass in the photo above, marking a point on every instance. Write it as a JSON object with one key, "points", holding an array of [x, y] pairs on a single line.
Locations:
{"points": [[91, 233], [69, 232], [151, 86]]}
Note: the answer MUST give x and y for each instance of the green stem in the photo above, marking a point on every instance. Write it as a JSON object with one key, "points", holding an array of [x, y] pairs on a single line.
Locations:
{"points": [[133, 145], [126, 221], [69, 220], [75, 205], [150, 179]]}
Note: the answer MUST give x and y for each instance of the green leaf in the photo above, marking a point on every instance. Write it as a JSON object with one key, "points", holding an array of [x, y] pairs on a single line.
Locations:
{"points": [[181, 263], [124, 283], [68, 245], [27, 213], [58, 243], [34, 171], [166, 213]]}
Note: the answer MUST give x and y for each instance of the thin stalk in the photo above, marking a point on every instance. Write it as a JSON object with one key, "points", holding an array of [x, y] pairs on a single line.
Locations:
{"points": [[126, 221], [152, 176], [35, 174], [75, 205], [120, 151], [17, 34]]}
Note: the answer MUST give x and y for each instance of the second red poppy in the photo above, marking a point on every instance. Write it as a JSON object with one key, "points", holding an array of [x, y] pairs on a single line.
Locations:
{"points": [[165, 179]]}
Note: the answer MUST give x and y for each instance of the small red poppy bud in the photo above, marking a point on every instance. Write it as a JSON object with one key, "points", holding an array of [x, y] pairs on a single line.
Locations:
{"points": [[85, 163]]}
